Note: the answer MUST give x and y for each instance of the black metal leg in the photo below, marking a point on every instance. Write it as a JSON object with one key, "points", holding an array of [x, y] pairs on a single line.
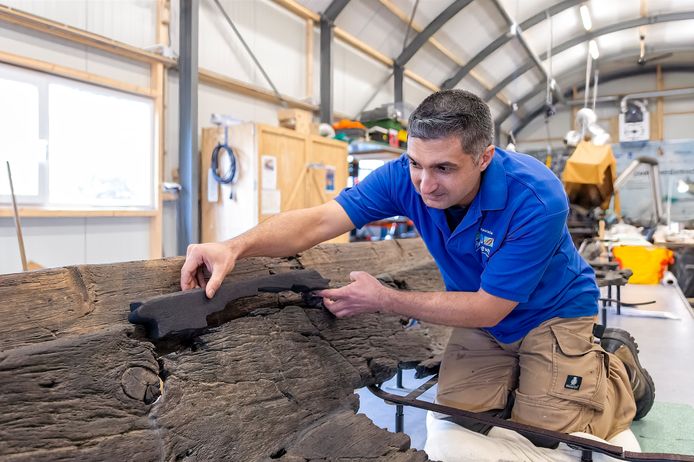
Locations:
{"points": [[604, 312], [619, 300], [399, 408], [399, 418]]}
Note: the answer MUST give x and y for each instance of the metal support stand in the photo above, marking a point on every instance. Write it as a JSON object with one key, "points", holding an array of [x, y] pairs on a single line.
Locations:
{"points": [[399, 408], [587, 446]]}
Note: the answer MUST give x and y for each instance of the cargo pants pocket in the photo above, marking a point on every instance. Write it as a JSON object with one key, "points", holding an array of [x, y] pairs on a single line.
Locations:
{"points": [[579, 369]]}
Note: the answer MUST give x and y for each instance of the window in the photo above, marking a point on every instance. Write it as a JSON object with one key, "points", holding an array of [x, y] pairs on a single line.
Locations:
{"points": [[72, 144], [20, 142]]}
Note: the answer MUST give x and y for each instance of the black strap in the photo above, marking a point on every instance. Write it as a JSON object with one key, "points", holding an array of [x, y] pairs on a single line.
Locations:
{"points": [[530, 432]]}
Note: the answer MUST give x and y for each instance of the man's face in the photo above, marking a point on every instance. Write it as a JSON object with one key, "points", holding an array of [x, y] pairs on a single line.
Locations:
{"points": [[443, 174]]}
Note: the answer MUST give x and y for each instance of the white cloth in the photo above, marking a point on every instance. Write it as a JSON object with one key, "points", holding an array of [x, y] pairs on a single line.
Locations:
{"points": [[449, 442]]}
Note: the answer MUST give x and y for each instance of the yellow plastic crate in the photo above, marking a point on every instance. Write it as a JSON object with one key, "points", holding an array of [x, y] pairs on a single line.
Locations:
{"points": [[648, 263]]}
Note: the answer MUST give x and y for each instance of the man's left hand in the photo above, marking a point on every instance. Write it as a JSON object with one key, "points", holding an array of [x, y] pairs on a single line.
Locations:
{"points": [[364, 295]]}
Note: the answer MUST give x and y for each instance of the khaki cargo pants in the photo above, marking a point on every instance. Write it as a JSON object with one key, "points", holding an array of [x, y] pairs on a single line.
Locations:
{"points": [[561, 380]]}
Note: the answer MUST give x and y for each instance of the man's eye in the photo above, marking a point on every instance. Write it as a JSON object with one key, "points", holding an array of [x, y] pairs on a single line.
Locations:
{"points": [[414, 164], [444, 169]]}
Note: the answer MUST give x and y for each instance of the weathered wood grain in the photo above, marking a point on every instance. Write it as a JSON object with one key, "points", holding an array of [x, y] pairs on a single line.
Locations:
{"points": [[79, 383], [336, 261], [43, 305], [83, 397]]}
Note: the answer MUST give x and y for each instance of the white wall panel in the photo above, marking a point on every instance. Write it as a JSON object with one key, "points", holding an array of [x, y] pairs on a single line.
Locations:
{"points": [[432, 65], [502, 62], [114, 67], [55, 242], [563, 26], [276, 37], [679, 104], [414, 93], [19, 41], [373, 24], [678, 127], [108, 240], [462, 34], [129, 21], [49, 242], [355, 78]]}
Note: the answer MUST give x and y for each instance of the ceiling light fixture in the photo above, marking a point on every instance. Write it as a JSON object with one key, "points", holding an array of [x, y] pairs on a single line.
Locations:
{"points": [[585, 17], [593, 48]]}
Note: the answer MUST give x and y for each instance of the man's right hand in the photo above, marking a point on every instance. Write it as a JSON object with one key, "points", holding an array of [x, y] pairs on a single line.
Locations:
{"points": [[219, 260]]}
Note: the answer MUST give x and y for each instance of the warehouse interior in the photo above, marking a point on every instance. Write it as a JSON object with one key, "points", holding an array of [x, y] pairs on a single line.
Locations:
{"points": [[130, 129]]}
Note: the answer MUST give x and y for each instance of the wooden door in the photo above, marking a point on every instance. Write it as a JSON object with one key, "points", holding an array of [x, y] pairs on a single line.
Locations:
{"points": [[326, 174], [281, 160]]}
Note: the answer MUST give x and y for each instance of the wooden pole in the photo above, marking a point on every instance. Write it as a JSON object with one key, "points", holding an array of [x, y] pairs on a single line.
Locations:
{"points": [[17, 223]]}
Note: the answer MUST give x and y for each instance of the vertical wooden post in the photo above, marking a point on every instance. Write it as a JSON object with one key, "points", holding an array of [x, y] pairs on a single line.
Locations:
{"points": [[309, 59], [157, 84], [659, 105]]}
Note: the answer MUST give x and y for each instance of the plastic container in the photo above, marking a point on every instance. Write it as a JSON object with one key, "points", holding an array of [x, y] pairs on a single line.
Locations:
{"points": [[647, 263]]}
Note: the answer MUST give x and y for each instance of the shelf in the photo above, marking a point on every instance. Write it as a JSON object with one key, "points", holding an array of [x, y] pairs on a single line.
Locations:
{"points": [[370, 150]]}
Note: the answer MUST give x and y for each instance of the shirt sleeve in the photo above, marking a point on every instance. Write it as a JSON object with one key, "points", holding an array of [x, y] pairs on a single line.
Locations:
{"points": [[514, 271], [375, 197]]}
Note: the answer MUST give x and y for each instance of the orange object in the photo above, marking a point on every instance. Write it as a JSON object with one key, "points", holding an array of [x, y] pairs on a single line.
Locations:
{"points": [[648, 263], [346, 123]]}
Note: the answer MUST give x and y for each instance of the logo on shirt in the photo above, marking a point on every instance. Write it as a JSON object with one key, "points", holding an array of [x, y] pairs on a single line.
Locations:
{"points": [[484, 241]]}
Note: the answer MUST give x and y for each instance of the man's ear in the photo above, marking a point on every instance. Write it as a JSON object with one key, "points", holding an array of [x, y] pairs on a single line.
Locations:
{"points": [[486, 157]]}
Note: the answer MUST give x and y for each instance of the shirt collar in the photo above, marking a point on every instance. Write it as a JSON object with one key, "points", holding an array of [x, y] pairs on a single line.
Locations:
{"points": [[493, 189]]}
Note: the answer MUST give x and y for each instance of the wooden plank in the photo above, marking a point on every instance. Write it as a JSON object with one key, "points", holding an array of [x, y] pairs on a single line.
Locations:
{"points": [[336, 261], [39, 212], [158, 86], [289, 150], [333, 156], [75, 74], [224, 82], [286, 384], [278, 383], [43, 305], [75, 35]]}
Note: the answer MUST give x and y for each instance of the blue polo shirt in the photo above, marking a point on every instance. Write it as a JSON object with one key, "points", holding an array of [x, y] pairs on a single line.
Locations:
{"points": [[513, 241]]}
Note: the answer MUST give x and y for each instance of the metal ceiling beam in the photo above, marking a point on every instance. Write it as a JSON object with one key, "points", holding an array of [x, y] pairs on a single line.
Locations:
{"points": [[398, 82], [524, 43], [334, 9], [622, 74], [431, 28], [504, 39], [633, 23], [326, 71]]}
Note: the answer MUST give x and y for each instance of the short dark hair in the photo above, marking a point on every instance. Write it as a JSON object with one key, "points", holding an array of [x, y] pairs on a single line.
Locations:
{"points": [[454, 112]]}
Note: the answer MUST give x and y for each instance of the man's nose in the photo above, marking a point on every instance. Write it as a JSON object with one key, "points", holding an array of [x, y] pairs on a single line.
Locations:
{"points": [[427, 184]]}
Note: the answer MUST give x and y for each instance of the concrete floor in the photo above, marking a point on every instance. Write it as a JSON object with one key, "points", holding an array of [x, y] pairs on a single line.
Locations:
{"points": [[666, 350]]}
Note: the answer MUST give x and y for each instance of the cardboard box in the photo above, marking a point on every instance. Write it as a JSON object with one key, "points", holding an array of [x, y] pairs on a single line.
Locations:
{"points": [[296, 119]]}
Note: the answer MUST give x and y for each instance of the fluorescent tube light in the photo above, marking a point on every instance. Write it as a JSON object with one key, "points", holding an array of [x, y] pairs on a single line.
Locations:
{"points": [[585, 17]]}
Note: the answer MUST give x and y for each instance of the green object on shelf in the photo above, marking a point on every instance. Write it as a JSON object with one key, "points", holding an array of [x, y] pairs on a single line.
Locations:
{"points": [[385, 123]]}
